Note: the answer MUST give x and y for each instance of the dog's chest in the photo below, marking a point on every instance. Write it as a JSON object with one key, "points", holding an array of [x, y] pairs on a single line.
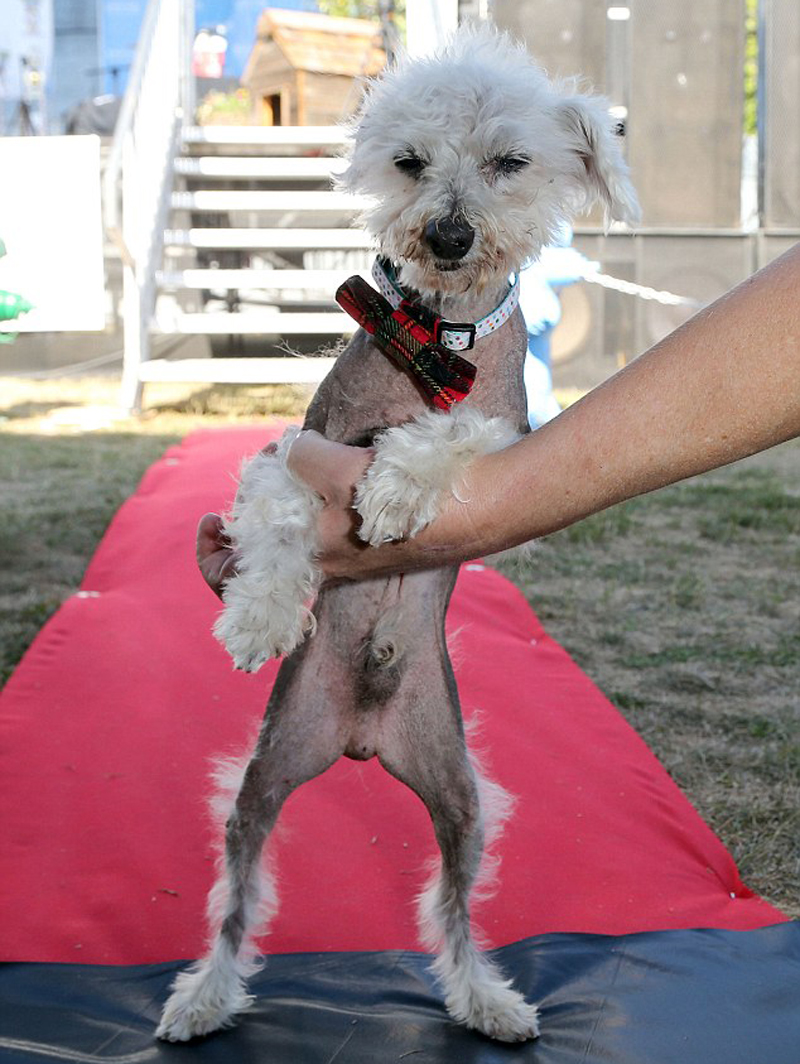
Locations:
{"points": [[367, 391]]}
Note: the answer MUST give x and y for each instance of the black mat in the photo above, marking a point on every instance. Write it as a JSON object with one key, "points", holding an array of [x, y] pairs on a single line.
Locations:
{"points": [[673, 997]]}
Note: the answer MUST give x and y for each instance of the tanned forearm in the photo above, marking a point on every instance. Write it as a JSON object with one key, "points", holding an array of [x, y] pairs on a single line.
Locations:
{"points": [[725, 385]]}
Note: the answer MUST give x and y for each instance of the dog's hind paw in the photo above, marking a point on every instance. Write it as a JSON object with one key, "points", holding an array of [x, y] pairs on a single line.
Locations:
{"points": [[496, 1010], [516, 1022], [201, 1002]]}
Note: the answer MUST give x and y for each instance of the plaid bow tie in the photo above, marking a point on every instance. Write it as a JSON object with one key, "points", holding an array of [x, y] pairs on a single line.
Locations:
{"points": [[409, 336]]}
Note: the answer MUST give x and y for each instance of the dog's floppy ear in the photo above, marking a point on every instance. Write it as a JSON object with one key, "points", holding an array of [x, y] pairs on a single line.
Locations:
{"points": [[590, 127]]}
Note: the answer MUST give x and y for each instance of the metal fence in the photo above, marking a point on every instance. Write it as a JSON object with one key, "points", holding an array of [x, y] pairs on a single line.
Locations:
{"points": [[779, 117], [675, 72]]}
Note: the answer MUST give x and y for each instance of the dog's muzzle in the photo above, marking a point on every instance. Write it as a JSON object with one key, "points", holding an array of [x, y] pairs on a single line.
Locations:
{"points": [[449, 238]]}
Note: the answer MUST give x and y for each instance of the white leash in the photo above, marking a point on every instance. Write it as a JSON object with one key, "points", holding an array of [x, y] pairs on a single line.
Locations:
{"points": [[629, 288]]}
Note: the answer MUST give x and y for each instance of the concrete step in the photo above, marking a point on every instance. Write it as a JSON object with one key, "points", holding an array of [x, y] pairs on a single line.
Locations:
{"points": [[263, 322], [268, 136], [295, 370], [301, 280], [303, 239], [253, 166], [281, 201]]}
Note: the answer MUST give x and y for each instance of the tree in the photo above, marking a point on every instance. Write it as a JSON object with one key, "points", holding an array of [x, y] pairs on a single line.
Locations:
{"points": [[390, 13]]}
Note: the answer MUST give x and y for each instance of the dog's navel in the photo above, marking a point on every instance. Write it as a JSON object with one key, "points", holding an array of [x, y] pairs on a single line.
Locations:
{"points": [[379, 671], [381, 653]]}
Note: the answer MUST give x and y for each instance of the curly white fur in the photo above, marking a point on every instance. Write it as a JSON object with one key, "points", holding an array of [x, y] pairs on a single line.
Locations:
{"points": [[418, 464], [271, 527], [481, 100]]}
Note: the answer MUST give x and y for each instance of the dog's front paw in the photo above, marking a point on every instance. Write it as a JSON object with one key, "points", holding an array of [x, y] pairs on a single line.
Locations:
{"points": [[393, 503], [272, 528], [247, 646], [416, 465], [264, 616]]}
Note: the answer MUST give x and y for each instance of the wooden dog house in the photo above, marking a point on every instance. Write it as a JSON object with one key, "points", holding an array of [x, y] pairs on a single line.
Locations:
{"points": [[304, 67]]}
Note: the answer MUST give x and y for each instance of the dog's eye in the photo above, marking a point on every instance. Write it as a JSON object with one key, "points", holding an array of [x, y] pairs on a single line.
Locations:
{"points": [[410, 164], [506, 165]]}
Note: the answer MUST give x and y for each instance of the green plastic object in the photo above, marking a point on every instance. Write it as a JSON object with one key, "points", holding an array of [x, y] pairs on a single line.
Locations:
{"points": [[12, 305]]}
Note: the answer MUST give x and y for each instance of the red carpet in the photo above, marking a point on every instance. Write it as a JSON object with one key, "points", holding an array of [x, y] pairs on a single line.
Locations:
{"points": [[108, 724]]}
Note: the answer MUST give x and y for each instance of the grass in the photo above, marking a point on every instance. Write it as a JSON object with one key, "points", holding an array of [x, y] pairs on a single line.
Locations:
{"points": [[684, 606]]}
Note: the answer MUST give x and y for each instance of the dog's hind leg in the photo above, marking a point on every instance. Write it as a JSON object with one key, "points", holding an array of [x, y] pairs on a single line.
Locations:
{"points": [[295, 745], [476, 992]]}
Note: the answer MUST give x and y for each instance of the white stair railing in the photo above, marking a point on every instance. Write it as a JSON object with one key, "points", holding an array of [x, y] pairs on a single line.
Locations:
{"points": [[138, 178]]}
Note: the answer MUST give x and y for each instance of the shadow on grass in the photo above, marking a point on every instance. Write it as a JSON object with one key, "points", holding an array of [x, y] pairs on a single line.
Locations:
{"points": [[238, 401], [22, 411]]}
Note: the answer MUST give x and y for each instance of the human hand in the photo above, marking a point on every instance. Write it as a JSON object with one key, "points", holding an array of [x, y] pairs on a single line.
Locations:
{"points": [[332, 470], [216, 558]]}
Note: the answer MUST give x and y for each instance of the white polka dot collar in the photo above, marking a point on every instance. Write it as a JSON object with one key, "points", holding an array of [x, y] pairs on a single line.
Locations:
{"points": [[454, 335]]}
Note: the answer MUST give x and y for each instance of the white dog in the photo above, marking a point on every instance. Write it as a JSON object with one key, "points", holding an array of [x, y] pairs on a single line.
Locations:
{"points": [[473, 160]]}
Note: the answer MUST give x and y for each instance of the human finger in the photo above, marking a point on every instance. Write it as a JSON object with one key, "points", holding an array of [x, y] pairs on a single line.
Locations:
{"points": [[216, 559], [210, 536]]}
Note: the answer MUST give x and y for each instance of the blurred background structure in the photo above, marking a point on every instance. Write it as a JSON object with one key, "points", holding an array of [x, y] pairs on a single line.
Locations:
{"points": [[219, 209]]}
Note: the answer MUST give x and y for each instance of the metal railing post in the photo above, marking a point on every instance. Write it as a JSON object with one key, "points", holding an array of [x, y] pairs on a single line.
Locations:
{"points": [[138, 179], [188, 94], [134, 332]]}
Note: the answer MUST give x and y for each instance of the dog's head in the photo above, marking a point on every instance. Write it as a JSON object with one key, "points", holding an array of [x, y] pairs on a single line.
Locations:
{"points": [[473, 159]]}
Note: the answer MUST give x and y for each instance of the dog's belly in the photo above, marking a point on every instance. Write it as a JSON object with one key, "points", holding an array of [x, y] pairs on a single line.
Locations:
{"points": [[376, 675], [381, 645]]}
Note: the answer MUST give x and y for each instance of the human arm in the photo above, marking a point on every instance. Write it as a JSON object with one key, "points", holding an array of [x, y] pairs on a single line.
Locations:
{"points": [[723, 386]]}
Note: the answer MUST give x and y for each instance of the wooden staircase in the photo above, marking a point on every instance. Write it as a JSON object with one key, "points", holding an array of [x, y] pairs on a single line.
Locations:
{"points": [[258, 240]]}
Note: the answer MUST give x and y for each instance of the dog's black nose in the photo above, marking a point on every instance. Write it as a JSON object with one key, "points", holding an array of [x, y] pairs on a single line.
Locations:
{"points": [[449, 238]]}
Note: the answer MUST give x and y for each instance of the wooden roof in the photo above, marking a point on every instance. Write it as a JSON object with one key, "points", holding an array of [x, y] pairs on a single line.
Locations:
{"points": [[321, 43]]}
